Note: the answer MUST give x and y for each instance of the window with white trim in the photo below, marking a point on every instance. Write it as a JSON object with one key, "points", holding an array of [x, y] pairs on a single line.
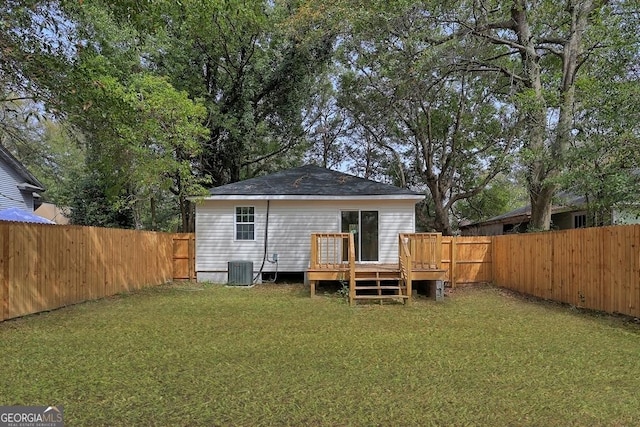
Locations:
{"points": [[579, 220], [245, 223]]}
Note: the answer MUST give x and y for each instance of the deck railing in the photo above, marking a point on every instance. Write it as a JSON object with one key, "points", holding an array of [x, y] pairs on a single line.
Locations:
{"points": [[335, 251], [425, 250], [329, 251]]}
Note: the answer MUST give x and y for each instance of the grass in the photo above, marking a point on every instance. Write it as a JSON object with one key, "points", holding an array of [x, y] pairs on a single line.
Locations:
{"points": [[176, 355]]}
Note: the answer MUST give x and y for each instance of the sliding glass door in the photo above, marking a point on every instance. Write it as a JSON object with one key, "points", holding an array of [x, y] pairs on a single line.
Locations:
{"points": [[364, 227]]}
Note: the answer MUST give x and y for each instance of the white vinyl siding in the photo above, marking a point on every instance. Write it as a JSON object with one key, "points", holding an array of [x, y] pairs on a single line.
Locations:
{"points": [[290, 226], [626, 216], [10, 195]]}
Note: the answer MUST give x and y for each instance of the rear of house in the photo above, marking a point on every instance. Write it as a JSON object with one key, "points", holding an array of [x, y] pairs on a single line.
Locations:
{"points": [[268, 221]]}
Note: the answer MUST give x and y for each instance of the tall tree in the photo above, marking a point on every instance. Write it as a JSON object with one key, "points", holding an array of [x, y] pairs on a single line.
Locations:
{"points": [[543, 48], [326, 125], [253, 72], [604, 160], [145, 139], [404, 91]]}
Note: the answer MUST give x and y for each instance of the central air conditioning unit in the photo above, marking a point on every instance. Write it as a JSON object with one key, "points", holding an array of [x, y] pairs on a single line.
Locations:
{"points": [[240, 273]]}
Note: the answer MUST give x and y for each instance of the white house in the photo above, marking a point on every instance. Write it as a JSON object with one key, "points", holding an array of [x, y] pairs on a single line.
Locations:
{"points": [[18, 187], [268, 221]]}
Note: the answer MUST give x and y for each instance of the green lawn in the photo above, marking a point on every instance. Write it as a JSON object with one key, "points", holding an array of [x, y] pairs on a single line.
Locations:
{"points": [[176, 355]]}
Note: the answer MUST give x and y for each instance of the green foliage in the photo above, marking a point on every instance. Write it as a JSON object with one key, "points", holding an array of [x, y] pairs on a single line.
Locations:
{"points": [[546, 50], [48, 149], [402, 90], [253, 73], [92, 204], [604, 163], [502, 195], [35, 43], [149, 138], [343, 292], [177, 95], [168, 97]]}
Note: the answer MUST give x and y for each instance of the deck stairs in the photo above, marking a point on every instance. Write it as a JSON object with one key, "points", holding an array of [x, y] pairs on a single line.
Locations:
{"points": [[333, 258], [379, 286]]}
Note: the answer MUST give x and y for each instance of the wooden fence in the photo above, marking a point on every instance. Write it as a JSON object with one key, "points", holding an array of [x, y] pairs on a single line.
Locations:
{"points": [[43, 267], [184, 256], [467, 259], [595, 268]]}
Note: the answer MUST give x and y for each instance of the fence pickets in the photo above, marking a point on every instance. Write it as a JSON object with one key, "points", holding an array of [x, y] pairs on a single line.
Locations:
{"points": [[43, 267], [184, 255], [595, 268], [468, 259]]}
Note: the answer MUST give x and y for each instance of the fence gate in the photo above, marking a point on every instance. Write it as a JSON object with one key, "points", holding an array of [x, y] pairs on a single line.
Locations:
{"points": [[184, 256]]}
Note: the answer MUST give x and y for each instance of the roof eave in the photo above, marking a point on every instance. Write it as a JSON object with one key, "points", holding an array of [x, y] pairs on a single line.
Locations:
{"points": [[20, 169], [415, 197]]}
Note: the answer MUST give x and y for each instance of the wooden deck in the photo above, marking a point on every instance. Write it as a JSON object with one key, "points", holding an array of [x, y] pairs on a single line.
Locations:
{"points": [[332, 259]]}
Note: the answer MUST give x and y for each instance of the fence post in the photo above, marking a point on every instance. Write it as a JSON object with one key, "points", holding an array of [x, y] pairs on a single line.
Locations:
{"points": [[192, 257], [493, 258], [452, 262], [4, 272]]}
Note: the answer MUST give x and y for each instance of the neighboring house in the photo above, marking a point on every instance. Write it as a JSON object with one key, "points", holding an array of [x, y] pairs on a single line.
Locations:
{"points": [[256, 219], [571, 213], [54, 213], [18, 187]]}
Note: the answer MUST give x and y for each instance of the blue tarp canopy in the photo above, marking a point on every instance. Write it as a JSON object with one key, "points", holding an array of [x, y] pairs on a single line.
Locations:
{"points": [[16, 214]]}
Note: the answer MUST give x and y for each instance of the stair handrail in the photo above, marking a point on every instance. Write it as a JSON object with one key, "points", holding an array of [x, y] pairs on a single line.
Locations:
{"points": [[352, 269], [406, 263]]}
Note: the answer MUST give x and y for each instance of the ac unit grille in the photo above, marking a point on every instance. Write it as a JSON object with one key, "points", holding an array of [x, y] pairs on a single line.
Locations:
{"points": [[240, 273]]}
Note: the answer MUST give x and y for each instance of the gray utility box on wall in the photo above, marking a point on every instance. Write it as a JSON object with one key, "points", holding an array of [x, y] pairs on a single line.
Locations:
{"points": [[240, 273]]}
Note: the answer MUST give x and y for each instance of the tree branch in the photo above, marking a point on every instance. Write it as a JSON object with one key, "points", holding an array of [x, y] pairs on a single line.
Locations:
{"points": [[18, 98]]}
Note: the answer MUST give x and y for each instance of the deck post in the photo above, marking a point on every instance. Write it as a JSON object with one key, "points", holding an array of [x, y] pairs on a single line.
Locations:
{"points": [[352, 270], [410, 280], [312, 263]]}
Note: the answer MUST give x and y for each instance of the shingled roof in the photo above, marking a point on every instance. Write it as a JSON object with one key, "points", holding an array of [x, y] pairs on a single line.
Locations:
{"points": [[312, 181], [567, 202]]}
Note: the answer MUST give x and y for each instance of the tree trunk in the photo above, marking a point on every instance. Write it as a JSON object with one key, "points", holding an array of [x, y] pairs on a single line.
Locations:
{"points": [[547, 162], [541, 203], [538, 167], [187, 216], [441, 221]]}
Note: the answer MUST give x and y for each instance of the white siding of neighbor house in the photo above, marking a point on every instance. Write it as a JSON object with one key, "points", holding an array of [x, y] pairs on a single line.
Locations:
{"points": [[622, 216], [10, 195], [291, 223]]}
